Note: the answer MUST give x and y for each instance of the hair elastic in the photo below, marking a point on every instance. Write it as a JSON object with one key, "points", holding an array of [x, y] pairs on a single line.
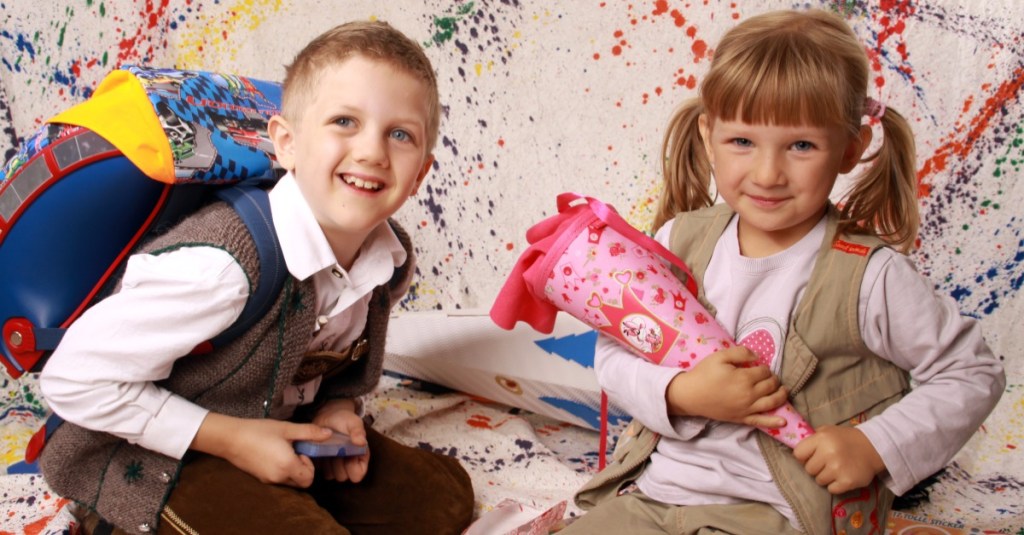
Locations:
{"points": [[873, 108]]}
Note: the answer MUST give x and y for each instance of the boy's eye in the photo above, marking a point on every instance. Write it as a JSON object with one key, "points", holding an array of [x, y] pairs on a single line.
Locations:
{"points": [[741, 142], [343, 121], [400, 135], [803, 146]]}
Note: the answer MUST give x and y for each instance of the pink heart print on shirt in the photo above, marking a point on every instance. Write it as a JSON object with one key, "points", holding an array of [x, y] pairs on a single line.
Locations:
{"points": [[761, 343]]}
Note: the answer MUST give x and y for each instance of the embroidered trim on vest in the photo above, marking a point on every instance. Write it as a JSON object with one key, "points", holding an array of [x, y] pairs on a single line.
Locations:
{"points": [[851, 248]]}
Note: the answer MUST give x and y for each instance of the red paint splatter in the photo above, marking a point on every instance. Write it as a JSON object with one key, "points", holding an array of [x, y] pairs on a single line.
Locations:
{"points": [[130, 46], [660, 7], [700, 50], [509, 246], [678, 18], [960, 148], [616, 50], [479, 421], [501, 142], [893, 22]]}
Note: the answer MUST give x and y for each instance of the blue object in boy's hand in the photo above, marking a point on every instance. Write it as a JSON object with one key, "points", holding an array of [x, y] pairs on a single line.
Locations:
{"points": [[339, 445]]}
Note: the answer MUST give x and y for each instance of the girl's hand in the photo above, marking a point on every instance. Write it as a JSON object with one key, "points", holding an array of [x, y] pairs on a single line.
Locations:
{"points": [[839, 458], [340, 415], [725, 387], [262, 448]]}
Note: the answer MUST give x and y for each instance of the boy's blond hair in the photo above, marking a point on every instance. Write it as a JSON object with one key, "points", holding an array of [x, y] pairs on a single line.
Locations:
{"points": [[790, 68], [374, 40]]}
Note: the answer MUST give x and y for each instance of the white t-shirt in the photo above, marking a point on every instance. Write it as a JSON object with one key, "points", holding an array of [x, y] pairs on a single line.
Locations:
{"points": [[957, 380]]}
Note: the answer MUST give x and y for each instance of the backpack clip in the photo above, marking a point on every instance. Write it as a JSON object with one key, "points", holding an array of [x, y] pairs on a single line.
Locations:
{"points": [[20, 340]]}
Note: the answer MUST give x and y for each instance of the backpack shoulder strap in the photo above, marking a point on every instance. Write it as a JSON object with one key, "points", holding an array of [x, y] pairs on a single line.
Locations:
{"points": [[253, 205]]}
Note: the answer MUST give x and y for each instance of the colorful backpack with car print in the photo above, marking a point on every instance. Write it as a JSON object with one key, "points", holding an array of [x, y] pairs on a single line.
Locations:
{"points": [[147, 148]]}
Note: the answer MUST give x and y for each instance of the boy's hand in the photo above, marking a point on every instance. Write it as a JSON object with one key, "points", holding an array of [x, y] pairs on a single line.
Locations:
{"points": [[725, 387], [340, 415], [839, 458], [262, 448]]}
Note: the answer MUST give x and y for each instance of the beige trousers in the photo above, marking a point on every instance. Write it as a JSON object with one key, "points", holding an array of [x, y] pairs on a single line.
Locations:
{"points": [[636, 514]]}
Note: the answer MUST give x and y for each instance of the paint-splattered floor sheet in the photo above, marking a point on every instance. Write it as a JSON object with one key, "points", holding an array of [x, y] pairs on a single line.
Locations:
{"points": [[514, 457]]}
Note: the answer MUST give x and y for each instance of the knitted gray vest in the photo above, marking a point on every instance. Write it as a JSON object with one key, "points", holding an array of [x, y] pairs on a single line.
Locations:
{"points": [[128, 485]]}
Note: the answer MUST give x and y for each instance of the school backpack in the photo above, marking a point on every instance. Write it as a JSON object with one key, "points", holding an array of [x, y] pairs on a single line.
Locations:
{"points": [[147, 148]]}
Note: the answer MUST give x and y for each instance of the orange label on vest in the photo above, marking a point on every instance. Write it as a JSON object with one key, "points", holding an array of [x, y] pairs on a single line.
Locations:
{"points": [[851, 248]]}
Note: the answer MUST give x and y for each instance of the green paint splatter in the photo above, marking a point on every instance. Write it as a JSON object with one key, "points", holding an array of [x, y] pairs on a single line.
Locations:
{"points": [[103, 61], [60, 38], [103, 10], [1009, 161], [446, 25], [845, 7]]}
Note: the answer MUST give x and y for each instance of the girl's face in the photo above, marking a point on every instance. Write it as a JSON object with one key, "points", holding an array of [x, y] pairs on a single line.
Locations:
{"points": [[777, 178]]}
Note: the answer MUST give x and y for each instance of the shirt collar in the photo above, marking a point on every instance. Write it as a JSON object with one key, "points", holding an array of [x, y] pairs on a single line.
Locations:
{"points": [[306, 250]]}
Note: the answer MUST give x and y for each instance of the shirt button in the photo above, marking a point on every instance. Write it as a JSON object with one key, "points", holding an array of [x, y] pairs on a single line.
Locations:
{"points": [[336, 272], [145, 528], [322, 320], [165, 477]]}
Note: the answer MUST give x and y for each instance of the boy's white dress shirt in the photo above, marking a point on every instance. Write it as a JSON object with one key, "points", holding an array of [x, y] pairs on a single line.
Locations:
{"points": [[101, 376]]}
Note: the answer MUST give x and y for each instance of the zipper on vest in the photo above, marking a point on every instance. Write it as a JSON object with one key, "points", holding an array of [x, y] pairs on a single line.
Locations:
{"points": [[175, 521], [803, 378], [775, 477]]}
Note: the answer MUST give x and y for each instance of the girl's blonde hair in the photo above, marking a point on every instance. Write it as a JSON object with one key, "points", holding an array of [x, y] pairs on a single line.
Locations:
{"points": [[791, 68]]}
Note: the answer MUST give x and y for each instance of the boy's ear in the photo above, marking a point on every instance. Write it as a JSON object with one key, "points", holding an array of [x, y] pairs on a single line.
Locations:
{"points": [[423, 173], [281, 135], [704, 127], [855, 149]]}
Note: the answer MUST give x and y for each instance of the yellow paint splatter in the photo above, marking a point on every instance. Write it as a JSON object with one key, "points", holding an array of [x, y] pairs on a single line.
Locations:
{"points": [[479, 67], [210, 46], [12, 447], [641, 213]]}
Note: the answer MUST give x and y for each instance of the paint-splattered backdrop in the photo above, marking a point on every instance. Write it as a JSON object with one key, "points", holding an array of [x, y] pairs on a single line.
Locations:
{"points": [[545, 97]]}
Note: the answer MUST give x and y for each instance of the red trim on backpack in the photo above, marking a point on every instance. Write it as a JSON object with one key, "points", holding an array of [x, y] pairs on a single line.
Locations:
{"points": [[56, 173], [35, 445]]}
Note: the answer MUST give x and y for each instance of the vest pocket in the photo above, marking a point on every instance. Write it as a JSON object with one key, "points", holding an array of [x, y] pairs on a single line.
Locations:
{"points": [[842, 389]]}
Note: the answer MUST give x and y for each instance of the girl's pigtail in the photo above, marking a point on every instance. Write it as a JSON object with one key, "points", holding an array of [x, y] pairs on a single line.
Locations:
{"points": [[685, 166], [884, 200]]}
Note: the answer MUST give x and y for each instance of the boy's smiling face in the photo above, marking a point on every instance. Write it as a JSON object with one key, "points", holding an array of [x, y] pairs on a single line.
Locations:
{"points": [[359, 150]]}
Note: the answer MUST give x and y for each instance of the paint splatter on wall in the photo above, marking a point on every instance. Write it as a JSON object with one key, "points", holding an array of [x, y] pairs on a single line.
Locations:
{"points": [[543, 97]]}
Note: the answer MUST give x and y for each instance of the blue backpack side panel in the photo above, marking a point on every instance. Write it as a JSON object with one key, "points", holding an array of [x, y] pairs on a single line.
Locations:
{"points": [[72, 206]]}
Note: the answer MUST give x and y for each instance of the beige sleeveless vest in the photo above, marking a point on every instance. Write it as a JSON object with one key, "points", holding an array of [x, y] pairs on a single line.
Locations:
{"points": [[831, 375]]}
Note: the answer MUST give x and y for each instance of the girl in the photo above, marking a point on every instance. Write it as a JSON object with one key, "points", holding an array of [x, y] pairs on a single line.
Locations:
{"points": [[778, 118]]}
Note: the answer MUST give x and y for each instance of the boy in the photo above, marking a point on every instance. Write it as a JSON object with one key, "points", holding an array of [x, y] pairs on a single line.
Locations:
{"points": [[205, 443]]}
